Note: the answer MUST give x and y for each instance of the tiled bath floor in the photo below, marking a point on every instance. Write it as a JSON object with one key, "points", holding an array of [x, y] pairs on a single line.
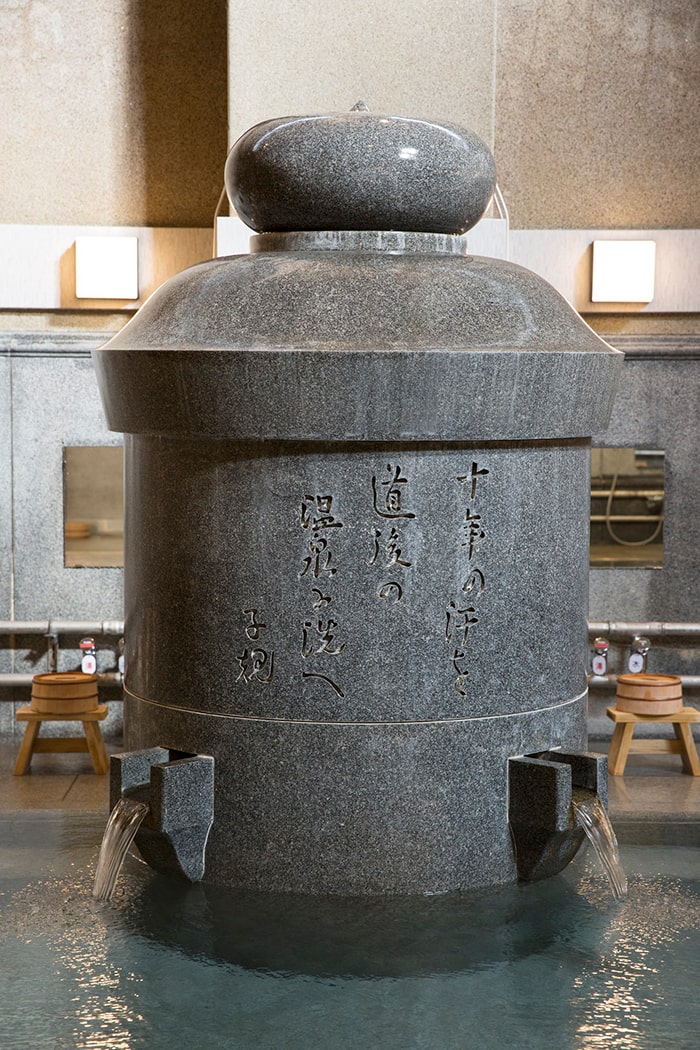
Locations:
{"points": [[54, 781], [654, 802]]}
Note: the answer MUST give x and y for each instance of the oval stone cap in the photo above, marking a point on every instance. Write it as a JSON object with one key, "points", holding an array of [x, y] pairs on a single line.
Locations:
{"points": [[359, 171]]}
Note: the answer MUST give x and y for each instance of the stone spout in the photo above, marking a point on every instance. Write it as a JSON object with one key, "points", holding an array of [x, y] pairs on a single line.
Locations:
{"points": [[541, 789], [179, 790]]}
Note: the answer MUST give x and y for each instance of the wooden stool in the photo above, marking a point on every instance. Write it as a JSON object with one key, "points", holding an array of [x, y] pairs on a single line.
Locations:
{"points": [[623, 744], [92, 741]]}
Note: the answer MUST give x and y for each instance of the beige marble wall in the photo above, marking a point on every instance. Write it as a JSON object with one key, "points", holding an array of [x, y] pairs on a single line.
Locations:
{"points": [[592, 108], [598, 113], [417, 58], [113, 111]]}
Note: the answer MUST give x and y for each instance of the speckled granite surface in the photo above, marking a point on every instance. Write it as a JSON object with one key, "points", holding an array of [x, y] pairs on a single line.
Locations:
{"points": [[359, 171], [357, 534]]}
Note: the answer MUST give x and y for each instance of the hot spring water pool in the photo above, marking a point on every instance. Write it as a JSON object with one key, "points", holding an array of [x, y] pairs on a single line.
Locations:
{"points": [[558, 965]]}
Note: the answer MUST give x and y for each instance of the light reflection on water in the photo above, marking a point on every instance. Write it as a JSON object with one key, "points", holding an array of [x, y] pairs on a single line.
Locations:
{"points": [[557, 965]]}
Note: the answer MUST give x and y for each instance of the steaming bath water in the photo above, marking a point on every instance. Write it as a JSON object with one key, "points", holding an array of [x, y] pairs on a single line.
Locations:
{"points": [[558, 964]]}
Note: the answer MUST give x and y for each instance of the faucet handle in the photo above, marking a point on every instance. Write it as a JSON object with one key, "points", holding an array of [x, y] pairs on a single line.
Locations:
{"points": [[638, 657], [599, 663], [88, 663]]}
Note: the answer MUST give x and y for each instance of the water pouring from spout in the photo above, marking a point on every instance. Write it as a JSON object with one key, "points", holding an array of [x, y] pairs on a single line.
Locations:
{"points": [[124, 821], [590, 815]]}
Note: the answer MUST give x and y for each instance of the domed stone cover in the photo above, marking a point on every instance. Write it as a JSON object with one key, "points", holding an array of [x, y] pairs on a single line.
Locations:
{"points": [[359, 171]]}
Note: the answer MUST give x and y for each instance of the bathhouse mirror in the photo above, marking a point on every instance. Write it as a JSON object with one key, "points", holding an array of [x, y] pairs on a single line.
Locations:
{"points": [[627, 508], [93, 506]]}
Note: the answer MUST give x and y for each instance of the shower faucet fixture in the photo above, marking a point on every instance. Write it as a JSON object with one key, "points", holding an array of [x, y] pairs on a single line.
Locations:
{"points": [[88, 662], [638, 657], [599, 663]]}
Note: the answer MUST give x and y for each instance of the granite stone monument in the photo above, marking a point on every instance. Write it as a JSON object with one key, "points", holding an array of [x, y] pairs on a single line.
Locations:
{"points": [[357, 492]]}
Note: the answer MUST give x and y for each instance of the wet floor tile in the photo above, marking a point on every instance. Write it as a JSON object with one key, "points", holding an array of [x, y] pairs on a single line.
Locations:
{"points": [[53, 781], [89, 792]]}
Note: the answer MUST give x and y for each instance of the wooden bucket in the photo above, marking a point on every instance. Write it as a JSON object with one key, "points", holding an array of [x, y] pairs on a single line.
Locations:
{"points": [[64, 693], [649, 694], [76, 530]]}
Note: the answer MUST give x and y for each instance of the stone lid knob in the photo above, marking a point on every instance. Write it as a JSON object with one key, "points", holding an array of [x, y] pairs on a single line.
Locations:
{"points": [[359, 171]]}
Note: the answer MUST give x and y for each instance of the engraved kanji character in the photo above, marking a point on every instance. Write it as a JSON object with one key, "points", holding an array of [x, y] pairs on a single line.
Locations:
{"points": [[316, 513], [254, 627], [473, 530], [458, 622], [311, 646], [252, 665], [394, 551], [260, 660], [388, 495], [472, 477], [320, 560]]}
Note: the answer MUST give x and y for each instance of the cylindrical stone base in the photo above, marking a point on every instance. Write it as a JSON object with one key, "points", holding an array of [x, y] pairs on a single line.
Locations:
{"points": [[361, 635], [358, 808]]}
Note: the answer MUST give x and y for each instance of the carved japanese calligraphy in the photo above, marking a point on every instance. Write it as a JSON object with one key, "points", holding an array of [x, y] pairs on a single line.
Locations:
{"points": [[318, 638], [320, 560], [471, 478], [389, 494], [324, 678], [254, 627], [256, 666], [316, 513], [318, 635], [460, 618], [391, 592]]}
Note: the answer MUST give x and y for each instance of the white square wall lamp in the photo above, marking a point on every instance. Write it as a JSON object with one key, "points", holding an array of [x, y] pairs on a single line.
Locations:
{"points": [[106, 268], [623, 271]]}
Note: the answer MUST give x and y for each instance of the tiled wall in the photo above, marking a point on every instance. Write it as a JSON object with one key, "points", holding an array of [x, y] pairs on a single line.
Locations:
{"points": [[657, 406], [48, 399], [6, 538]]}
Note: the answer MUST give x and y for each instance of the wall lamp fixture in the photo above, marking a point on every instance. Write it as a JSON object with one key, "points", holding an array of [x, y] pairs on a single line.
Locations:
{"points": [[106, 268], [623, 271]]}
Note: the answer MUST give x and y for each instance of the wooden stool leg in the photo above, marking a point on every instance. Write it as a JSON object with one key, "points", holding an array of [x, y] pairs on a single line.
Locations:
{"points": [[619, 748], [26, 750], [96, 746], [689, 754]]}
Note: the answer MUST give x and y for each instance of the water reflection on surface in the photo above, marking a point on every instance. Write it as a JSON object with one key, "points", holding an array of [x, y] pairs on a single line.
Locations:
{"points": [[558, 964]]}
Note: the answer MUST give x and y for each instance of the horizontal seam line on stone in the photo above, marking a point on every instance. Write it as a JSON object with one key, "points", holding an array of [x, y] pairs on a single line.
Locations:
{"points": [[313, 722]]}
